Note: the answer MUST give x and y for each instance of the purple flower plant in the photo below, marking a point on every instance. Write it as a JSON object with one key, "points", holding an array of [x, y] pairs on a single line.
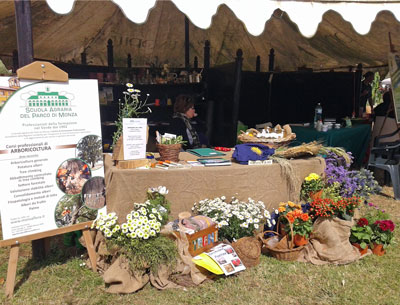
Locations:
{"points": [[352, 182]]}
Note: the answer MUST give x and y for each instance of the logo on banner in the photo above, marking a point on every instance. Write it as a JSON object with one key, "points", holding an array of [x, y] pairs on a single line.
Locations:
{"points": [[48, 103]]}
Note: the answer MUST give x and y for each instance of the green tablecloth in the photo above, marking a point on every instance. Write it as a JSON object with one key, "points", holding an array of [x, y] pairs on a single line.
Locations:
{"points": [[355, 139]]}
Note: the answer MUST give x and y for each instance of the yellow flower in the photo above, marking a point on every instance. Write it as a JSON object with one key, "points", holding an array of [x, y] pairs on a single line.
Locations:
{"points": [[256, 150], [282, 204], [291, 204], [281, 209], [312, 176]]}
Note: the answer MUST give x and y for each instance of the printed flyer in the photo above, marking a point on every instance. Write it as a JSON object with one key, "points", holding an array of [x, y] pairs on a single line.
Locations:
{"points": [[224, 256], [50, 155]]}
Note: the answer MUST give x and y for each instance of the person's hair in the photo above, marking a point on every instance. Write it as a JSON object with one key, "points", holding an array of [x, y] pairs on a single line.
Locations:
{"points": [[368, 74], [183, 103]]}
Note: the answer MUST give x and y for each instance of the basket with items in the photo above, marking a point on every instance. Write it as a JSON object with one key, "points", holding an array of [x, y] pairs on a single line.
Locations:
{"points": [[272, 137]]}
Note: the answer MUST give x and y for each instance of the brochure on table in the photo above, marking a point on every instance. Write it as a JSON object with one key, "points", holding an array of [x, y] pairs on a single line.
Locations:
{"points": [[135, 133], [224, 256], [50, 155]]}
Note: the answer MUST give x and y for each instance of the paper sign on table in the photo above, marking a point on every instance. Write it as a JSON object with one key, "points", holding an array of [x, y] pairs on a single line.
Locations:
{"points": [[135, 138]]}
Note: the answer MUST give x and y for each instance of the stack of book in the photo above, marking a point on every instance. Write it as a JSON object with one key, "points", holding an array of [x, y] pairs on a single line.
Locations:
{"points": [[215, 162]]}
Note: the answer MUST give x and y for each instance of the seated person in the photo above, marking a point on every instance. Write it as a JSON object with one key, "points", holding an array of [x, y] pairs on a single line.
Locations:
{"points": [[181, 124], [386, 107]]}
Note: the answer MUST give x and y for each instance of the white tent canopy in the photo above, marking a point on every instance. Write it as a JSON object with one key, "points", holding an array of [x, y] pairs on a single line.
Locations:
{"points": [[255, 13]]}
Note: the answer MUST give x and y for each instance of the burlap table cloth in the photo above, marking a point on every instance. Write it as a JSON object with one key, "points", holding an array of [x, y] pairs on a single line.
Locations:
{"points": [[189, 185]]}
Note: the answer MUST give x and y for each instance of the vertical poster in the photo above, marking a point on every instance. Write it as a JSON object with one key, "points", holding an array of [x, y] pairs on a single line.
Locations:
{"points": [[51, 159], [394, 69]]}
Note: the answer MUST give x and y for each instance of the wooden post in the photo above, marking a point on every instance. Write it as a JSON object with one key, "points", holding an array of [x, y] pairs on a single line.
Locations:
{"points": [[15, 61], [271, 60], [83, 58], [110, 53], [258, 64], [24, 31], [129, 61], [357, 90], [12, 270], [236, 95], [187, 63], [206, 65]]}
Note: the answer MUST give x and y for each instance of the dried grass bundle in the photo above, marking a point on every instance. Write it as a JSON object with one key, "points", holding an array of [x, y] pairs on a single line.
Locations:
{"points": [[308, 149], [292, 179]]}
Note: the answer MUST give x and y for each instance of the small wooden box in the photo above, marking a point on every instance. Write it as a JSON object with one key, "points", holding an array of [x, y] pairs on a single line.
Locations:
{"points": [[202, 240]]}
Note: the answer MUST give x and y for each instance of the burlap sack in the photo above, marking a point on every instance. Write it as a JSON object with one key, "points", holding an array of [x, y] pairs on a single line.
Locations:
{"points": [[249, 250], [330, 243], [184, 266], [119, 279]]}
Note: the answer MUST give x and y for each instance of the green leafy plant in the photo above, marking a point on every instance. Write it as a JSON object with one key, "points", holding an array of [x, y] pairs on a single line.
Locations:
{"points": [[130, 107], [170, 141], [361, 233]]}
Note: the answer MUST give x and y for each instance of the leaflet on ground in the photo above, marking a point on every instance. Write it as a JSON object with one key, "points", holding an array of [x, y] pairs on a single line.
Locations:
{"points": [[222, 255]]}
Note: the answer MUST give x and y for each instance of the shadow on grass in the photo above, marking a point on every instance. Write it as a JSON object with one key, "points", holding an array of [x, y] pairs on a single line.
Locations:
{"points": [[58, 253]]}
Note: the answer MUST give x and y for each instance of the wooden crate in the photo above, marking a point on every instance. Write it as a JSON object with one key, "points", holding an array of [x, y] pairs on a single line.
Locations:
{"points": [[202, 240]]}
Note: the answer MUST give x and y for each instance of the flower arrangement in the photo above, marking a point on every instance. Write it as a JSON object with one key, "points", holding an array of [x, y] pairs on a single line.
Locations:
{"points": [[300, 220], [235, 219], [361, 233], [139, 237], [286, 207], [311, 184], [382, 232], [131, 107], [327, 207], [352, 182], [301, 223]]}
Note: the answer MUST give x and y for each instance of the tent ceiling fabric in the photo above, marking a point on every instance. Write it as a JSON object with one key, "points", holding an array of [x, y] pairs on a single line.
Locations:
{"points": [[255, 13]]}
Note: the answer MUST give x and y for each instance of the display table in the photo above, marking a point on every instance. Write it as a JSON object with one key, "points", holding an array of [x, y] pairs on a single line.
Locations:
{"points": [[189, 185], [354, 139]]}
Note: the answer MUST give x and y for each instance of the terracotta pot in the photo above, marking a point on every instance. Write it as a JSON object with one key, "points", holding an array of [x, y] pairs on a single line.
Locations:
{"points": [[316, 195], [378, 249], [362, 251], [300, 240]]}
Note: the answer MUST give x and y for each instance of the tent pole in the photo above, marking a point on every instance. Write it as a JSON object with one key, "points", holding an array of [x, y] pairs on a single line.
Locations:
{"points": [[187, 64], [24, 31], [23, 22]]}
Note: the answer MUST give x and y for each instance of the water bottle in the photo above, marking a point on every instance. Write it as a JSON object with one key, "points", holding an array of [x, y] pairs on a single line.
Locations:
{"points": [[318, 114]]}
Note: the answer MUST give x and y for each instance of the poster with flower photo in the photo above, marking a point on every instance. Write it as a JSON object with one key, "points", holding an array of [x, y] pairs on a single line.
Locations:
{"points": [[50, 155]]}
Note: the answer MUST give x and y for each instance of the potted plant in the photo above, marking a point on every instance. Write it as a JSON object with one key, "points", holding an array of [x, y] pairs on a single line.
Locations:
{"points": [[131, 107], [312, 187], [169, 148], [382, 235], [301, 225], [360, 235]]}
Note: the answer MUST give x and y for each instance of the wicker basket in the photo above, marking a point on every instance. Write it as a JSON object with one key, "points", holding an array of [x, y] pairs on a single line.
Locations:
{"points": [[169, 152], [289, 136], [289, 254]]}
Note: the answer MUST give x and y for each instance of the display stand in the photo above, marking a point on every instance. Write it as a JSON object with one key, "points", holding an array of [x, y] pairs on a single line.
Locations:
{"points": [[41, 70], [119, 160]]}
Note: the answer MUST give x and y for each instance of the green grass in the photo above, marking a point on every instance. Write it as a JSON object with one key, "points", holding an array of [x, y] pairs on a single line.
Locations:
{"points": [[373, 280]]}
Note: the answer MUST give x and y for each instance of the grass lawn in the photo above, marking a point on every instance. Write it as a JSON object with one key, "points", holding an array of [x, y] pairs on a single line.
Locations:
{"points": [[373, 280]]}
